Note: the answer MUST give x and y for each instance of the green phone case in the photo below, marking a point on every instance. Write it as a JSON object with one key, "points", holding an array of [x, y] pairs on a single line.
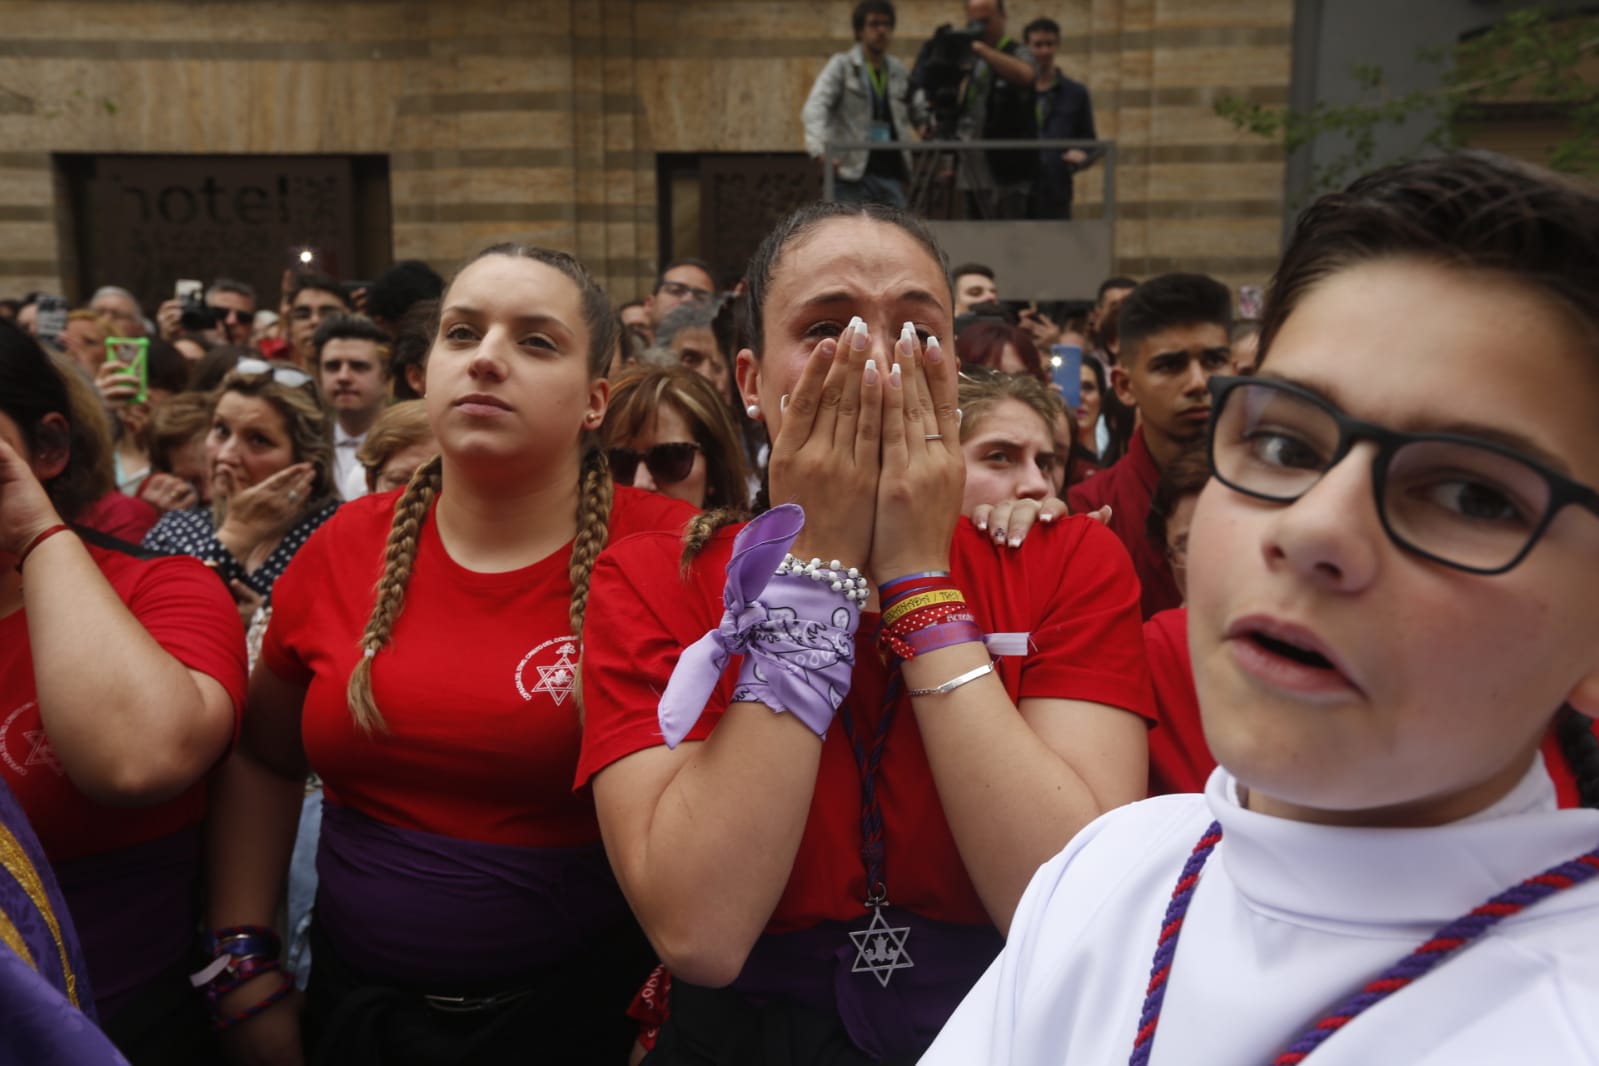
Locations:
{"points": [[132, 354]]}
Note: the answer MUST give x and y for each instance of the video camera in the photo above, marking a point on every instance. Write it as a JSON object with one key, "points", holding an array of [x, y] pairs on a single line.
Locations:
{"points": [[941, 66]]}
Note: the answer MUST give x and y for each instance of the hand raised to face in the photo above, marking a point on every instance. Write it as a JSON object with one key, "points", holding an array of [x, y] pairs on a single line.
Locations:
{"points": [[923, 471], [25, 507], [827, 453]]}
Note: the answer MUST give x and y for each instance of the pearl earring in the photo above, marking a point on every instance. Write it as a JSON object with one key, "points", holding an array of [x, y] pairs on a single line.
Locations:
{"points": [[753, 410]]}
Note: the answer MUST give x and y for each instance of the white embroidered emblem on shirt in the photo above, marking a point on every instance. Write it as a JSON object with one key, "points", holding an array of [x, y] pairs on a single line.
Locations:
{"points": [[556, 678]]}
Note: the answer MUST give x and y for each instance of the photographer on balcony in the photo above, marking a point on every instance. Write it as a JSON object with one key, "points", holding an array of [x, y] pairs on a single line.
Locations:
{"points": [[979, 83], [863, 95]]}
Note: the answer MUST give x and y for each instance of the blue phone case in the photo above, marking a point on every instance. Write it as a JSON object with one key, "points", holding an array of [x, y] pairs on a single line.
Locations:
{"points": [[1067, 370]]}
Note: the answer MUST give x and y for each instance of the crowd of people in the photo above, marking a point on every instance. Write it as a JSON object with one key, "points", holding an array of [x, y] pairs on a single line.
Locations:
{"points": [[771, 669]]}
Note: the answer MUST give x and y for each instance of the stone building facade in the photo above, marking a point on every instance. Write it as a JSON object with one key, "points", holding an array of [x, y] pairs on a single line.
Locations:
{"points": [[600, 126]]}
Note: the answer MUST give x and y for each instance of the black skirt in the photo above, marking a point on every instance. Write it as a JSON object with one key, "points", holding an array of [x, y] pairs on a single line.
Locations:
{"points": [[722, 1027], [571, 1012]]}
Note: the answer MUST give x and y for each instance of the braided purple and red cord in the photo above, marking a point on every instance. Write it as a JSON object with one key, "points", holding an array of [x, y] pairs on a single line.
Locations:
{"points": [[1440, 946], [1166, 947], [868, 760]]}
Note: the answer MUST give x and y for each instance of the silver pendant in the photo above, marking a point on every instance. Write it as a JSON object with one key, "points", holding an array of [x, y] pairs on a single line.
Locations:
{"points": [[880, 947]]}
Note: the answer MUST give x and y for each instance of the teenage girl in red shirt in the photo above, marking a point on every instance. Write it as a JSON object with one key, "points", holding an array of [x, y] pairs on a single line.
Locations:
{"points": [[848, 868], [465, 909]]}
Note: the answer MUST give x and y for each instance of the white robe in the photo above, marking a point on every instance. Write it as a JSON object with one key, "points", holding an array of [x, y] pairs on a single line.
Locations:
{"points": [[1289, 920]]}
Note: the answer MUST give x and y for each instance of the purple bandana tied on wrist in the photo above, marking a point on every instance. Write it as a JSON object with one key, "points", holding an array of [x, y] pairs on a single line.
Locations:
{"points": [[797, 637]]}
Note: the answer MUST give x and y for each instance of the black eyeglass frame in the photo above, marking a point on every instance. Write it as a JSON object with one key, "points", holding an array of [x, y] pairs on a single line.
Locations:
{"points": [[637, 458], [1563, 491], [692, 293]]}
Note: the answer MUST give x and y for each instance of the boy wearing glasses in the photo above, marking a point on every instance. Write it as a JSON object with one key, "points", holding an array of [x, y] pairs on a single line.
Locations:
{"points": [[1174, 337]]}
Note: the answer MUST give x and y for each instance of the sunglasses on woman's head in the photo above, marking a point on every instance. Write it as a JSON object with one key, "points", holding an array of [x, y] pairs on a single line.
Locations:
{"points": [[288, 376], [667, 463]]}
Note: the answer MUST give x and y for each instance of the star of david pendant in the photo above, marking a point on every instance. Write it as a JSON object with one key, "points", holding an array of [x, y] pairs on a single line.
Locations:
{"points": [[880, 948]]}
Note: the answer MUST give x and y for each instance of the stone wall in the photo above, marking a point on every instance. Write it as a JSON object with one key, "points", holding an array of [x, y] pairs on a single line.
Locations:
{"points": [[541, 120]]}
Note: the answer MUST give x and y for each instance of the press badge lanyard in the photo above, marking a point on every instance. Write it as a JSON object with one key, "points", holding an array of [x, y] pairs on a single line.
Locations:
{"points": [[877, 87], [877, 80]]}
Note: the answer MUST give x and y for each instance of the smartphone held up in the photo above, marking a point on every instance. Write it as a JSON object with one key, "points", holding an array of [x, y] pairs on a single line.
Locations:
{"points": [[130, 358]]}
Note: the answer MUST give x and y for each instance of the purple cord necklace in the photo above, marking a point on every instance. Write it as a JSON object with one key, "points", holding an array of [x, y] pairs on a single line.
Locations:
{"points": [[1440, 946], [880, 948]]}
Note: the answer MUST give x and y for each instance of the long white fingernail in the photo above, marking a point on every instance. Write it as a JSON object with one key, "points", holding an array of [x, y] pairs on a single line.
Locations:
{"points": [[935, 351], [893, 375], [958, 413], [782, 403], [869, 375], [908, 334], [861, 337]]}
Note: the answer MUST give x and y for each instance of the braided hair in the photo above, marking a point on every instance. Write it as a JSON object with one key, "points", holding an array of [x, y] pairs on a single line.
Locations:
{"points": [[412, 507]]}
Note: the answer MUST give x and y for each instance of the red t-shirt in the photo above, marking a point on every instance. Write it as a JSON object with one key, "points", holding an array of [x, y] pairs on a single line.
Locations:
{"points": [[475, 684], [1069, 588], [127, 518], [1179, 758], [186, 609], [1127, 485]]}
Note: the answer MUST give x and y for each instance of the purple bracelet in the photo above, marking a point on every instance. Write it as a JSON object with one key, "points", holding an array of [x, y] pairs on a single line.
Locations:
{"points": [[888, 587], [947, 635]]}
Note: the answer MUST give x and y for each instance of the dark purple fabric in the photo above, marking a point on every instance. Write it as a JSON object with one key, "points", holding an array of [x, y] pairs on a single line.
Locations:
{"points": [[135, 910], [39, 1027], [17, 906], [38, 1024], [428, 910], [813, 967]]}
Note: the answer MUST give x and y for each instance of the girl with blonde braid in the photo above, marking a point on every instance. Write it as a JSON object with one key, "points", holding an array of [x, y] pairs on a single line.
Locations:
{"points": [[465, 910]]}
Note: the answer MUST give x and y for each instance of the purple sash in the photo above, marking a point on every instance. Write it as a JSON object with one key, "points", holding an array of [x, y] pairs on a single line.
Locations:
{"points": [[135, 911], [433, 911], [39, 1027], [38, 1023], [812, 967]]}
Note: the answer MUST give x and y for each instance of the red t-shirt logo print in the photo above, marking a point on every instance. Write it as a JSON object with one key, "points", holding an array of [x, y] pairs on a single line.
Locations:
{"points": [[556, 678]]}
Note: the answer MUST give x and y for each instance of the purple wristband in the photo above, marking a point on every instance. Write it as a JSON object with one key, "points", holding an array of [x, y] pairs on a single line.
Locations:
{"points": [[946, 635], [886, 587]]}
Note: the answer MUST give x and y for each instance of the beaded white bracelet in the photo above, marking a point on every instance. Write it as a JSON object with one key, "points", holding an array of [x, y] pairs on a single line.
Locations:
{"points": [[851, 582]]}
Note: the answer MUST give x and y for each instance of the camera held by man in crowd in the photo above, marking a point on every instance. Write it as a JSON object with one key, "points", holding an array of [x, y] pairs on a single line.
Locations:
{"points": [[197, 315]]}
